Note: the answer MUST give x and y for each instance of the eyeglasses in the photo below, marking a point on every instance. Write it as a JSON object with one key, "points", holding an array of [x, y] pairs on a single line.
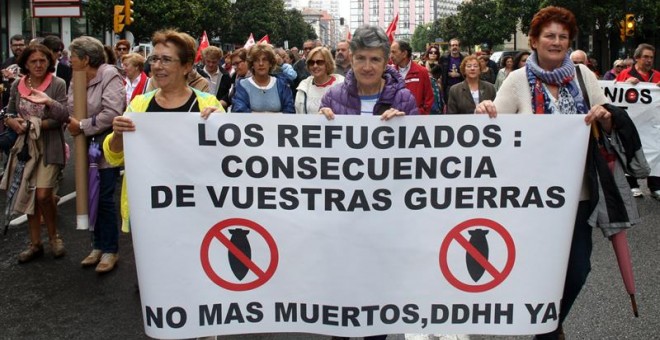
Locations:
{"points": [[122, 49], [164, 60], [618, 66], [319, 62]]}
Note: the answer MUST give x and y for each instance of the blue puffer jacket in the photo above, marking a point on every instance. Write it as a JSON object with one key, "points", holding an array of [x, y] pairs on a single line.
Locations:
{"points": [[344, 99], [241, 100]]}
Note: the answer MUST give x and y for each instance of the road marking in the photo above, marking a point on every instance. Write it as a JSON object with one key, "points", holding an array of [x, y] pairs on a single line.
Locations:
{"points": [[23, 218]]}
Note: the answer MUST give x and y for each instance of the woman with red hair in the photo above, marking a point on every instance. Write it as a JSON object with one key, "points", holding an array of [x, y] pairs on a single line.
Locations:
{"points": [[549, 83]]}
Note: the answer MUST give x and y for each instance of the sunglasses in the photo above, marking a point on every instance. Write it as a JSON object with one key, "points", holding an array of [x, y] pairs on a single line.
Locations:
{"points": [[433, 52], [122, 49], [320, 62]]}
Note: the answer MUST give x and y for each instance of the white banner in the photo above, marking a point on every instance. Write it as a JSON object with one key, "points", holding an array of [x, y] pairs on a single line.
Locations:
{"points": [[642, 101], [258, 223]]}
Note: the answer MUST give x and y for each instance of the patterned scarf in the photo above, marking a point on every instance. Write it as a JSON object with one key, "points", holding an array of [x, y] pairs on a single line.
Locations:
{"points": [[563, 77]]}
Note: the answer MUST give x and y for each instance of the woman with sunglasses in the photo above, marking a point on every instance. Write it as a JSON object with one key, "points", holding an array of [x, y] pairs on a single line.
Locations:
{"points": [[431, 57], [617, 66], [321, 66]]}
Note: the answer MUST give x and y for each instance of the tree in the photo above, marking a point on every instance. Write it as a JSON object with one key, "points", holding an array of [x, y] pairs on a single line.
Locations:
{"points": [[422, 36], [153, 15], [296, 30], [483, 21]]}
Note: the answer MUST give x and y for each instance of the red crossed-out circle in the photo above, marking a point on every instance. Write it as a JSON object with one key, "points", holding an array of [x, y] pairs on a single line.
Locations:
{"points": [[215, 233], [498, 276]]}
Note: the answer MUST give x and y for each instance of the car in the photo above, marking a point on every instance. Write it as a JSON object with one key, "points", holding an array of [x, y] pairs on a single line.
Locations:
{"points": [[497, 56]]}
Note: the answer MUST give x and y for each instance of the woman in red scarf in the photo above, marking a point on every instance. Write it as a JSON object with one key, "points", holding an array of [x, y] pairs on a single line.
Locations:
{"points": [[136, 80]]}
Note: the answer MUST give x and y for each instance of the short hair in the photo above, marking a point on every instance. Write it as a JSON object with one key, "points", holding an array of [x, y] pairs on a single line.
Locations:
{"points": [[505, 59], [184, 43], [123, 42], [467, 59], [262, 49], [549, 15], [518, 58], [436, 71], [640, 49], [134, 59], [212, 52], [32, 49], [110, 56], [16, 37], [88, 47], [53, 42], [484, 58], [327, 56], [370, 36], [405, 46], [241, 53]]}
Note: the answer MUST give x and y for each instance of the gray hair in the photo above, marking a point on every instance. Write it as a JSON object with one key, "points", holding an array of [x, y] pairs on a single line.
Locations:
{"points": [[370, 36], [641, 48], [88, 47]]}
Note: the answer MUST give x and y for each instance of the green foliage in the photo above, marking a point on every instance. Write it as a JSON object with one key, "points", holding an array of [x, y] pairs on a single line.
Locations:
{"points": [[421, 37], [483, 21], [230, 23]]}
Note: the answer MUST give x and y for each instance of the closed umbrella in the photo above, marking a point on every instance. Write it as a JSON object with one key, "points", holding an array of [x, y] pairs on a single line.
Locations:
{"points": [[618, 235], [94, 188], [22, 157]]}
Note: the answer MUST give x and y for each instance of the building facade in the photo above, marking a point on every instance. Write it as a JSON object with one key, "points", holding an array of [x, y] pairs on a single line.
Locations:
{"points": [[16, 18], [411, 13]]}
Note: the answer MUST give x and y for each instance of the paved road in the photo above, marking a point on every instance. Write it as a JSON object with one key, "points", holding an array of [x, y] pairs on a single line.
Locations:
{"points": [[57, 299]]}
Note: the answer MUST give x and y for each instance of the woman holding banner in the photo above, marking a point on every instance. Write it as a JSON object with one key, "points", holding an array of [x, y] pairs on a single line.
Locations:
{"points": [[371, 87], [106, 98], [171, 61], [551, 84]]}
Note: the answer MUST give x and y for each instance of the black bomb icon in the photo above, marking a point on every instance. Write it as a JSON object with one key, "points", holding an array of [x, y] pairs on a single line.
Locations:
{"points": [[478, 241], [240, 240]]}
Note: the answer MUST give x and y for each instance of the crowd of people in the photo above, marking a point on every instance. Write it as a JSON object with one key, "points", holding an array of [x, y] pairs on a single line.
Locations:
{"points": [[368, 75]]}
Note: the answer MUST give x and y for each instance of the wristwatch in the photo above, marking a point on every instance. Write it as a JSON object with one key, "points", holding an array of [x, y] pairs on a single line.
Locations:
{"points": [[80, 125]]}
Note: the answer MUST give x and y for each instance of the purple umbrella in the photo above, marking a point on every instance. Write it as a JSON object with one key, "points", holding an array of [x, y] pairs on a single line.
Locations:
{"points": [[94, 187]]}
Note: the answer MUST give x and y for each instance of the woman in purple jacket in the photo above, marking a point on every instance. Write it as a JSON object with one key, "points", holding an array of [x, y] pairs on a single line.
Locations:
{"points": [[371, 87]]}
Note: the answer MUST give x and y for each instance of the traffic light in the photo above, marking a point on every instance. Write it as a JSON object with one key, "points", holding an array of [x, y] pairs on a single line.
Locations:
{"points": [[622, 30], [128, 12], [341, 21], [118, 24], [630, 25]]}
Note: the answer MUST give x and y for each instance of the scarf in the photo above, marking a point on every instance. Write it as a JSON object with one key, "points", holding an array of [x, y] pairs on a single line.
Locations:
{"points": [[563, 77]]}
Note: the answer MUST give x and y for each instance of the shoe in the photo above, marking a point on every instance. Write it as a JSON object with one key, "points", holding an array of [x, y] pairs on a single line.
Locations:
{"points": [[637, 192], [57, 247], [31, 253], [108, 262], [656, 194], [92, 259]]}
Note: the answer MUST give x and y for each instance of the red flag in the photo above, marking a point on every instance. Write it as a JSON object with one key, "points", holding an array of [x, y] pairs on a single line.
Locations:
{"points": [[204, 43], [391, 29], [265, 40], [249, 42], [349, 36]]}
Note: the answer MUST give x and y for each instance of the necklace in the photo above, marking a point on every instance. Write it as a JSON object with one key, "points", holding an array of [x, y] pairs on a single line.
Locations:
{"points": [[29, 82]]}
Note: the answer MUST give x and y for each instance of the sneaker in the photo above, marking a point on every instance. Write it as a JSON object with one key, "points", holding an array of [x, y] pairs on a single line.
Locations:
{"points": [[92, 259], [57, 247], [656, 194], [636, 192], [31, 253], [108, 262]]}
